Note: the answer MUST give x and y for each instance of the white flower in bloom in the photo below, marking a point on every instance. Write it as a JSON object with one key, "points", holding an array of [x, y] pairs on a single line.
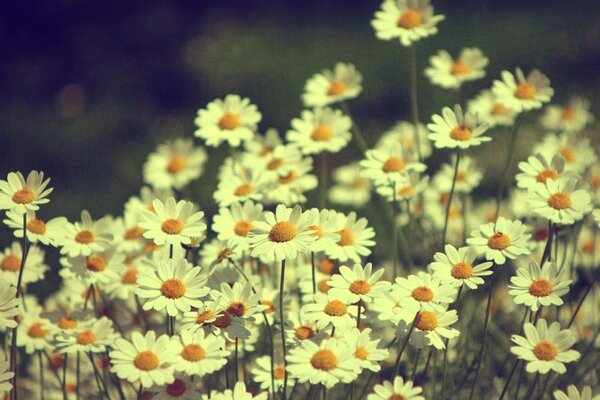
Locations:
{"points": [[239, 300], [574, 394], [176, 286], [572, 117], [523, 93], [231, 120], [82, 239], [282, 234], [349, 188], [90, 337], [289, 188], [263, 145], [321, 130], [38, 230], [366, 350], [233, 224], [358, 283], [399, 389], [468, 176], [35, 333], [237, 184], [491, 110], [406, 20], [425, 292], [9, 306], [100, 268], [10, 264], [261, 373], [455, 267], [544, 347], [331, 86], [355, 239], [536, 287], [173, 223], [450, 73], [20, 194], [413, 184], [578, 152], [328, 309], [5, 375], [239, 392], [325, 229], [199, 353], [144, 360], [538, 169], [431, 327], [454, 129], [559, 202], [403, 132], [175, 164], [501, 240], [388, 165]]}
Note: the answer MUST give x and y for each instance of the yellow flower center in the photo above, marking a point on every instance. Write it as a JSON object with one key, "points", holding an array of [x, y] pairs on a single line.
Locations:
{"points": [[304, 332], [324, 360], [499, 241], [460, 133], [236, 308], [133, 233], [393, 164], [406, 191], [360, 287], [396, 396], [193, 352], [279, 373], [243, 190], [525, 91], [37, 331], [559, 201], [36, 226], [321, 133], [422, 293], [346, 237], [67, 323], [130, 276], [361, 353], [274, 164], [426, 321], [177, 388], [335, 308], [282, 232], [95, 263], [172, 288], [204, 316], [84, 237], [176, 164], [316, 230], [10, 263], [23, 196], [459, 67], [242, 228], [336, 88], [327, 266], [269, 304], [462, 271], [568, 154], [172, 226], [86, 337], [410, 19], [146, 361], [546, 174], [498, 109], [290, 177], [541, 288], [567, 114], [545, 351], [229, 121]]}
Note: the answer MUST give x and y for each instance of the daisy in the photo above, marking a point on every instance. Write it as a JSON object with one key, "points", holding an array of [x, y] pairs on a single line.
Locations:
{"points": [[174, 285], [299, 327], [468, 176], [399, 389], [145, 360], [81, 239], [572, 117], [237, 184], [325, 229], [233, 224], [536, 287], [451, 73], [282, 234], [331, 86], [136, 205], [501, 240], [261, 373], [544, 347], [455, 267], [432, 327], [204, 315], [199, 353], [538, 169], [91, 337], [35, 333], [233, 120], [126, 283], [182, 388], [413, 184], [263, 145], [289, 189], [404, 132], [100, 268], [5, 375], [425, 292], [578, 152], [559, 202], [128, 236], [358, 283], [10, 265], [175, 164], [574, 394], [239, 392], [387, 165], [239, 300], [38, 230], [355, 239], [323, 129], [406, 20], [326, 363], [454, 129], [19, 195], [366, 350], [350, 188], [173, 222], [328, 309], [523, 93], [491, 110], [9, 306]]}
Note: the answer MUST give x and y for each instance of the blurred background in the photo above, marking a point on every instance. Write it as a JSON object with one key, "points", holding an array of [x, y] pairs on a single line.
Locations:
{"points": [[89, 88]]}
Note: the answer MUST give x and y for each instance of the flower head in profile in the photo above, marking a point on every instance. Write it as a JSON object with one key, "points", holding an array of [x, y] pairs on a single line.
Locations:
{"points": [[331, 86], [451, 73], [261, 373], [559, 201], [545, 348], [453, 129], [536, 287], [398, 389], [320, 130], [329, 310], [172, 222], [424, 291], [501, 240], [38, 230], [359, 283], [20, 194], [232, 120], [523, 93], [405, 20]]}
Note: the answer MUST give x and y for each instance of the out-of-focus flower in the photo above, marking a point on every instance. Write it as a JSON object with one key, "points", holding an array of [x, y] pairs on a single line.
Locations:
{"points": [[451, 73], [331, 86]]}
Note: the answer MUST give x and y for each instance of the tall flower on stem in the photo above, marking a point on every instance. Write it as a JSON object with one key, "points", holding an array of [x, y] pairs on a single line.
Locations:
{"points": [[172, 222], [20, 194]]}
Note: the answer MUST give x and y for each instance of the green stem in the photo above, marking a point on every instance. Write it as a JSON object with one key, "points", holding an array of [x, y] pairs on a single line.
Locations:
{"points": [[414, 105], [449, 205]]}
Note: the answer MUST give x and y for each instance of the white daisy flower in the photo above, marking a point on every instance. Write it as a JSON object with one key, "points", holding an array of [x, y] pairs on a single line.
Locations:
{"points": [[38, 230], [537, 169], [239, 300], [205, 314], [358, 283], [544, 347], [326, 363], [9, 306], [238, 184], [321, 130], [146, 360], [536, 287], [406, 20], [136, 205], [349, 187], [92, 336], [491, 110], [403, 132], [81, 239], [574, 394], [455, 267], [454, 129], [397, 390], [173, 223], [559, 202], [261, 373], [282, 234], [299, 327], [5, 375], [451, 73], [35, 333], [425, 292], [468, 177], [10, 265], [387, 165], [126, 283], [393, 307], [572, 117], [19, 195], [233, 119], [96, 268], [578, 152], [523, 93], [182, 388], [331, 86], [174, 164], [328, 310], [175, 285], [413, 184], [431, 328], [263, 145], [128, 236], [501, 240], [233, 224], [239, 392], [199, 353], [325, 228], [355, 239], [367, 351], [289, 189]]}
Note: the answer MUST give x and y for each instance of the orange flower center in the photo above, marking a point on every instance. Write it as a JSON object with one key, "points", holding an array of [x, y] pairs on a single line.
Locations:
{"points": [[23, 196], [545, 351], [204, 316], [459, 67], [290, 177], [10, 263], [406, 191], [335, 308], [525, 91], [133, 233], [177, 388], [393, 164], [462, 271], [84, 237], [37, 331], [410, 19], [243, 190], [546, 174], [360, 287], [541, 288], [324, 360], [171, 226], [346, 237], [361, 353], [498, 109], [274, 164], [223, 320], [559, 201], [67, 323], [567, 113], [336, 88], [304, 332], [130, 276], [568, 154], [86, 337], [426, 321], [317, 231], [242, 228], [36, 226], [279, 373], [588, 247], [229, 121], [269, 304], [499, 241], [327, 266], [146, 361], [236, 308], [282, 232], [172, 289], [193, 352], [321, 133], [422, 293], [95, 263], [460, 133], [176, 164]]}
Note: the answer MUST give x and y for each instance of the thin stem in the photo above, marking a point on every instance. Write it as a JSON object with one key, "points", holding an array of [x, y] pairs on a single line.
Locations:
{"points": [[414, 370], [506, 385], [323, 180], [78, 375], [314, 277], [587, 291], [360, 140], [281, 321], [64, 377], [41, 364], [507, 165], [235, 361], [532, 388], [449, 205], [445, 362], [358, 314], [521, 370], [414, 104], [403, 347]]}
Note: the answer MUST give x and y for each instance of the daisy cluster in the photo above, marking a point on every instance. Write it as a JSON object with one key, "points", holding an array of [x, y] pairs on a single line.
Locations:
{"points": [[274, 297]]}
